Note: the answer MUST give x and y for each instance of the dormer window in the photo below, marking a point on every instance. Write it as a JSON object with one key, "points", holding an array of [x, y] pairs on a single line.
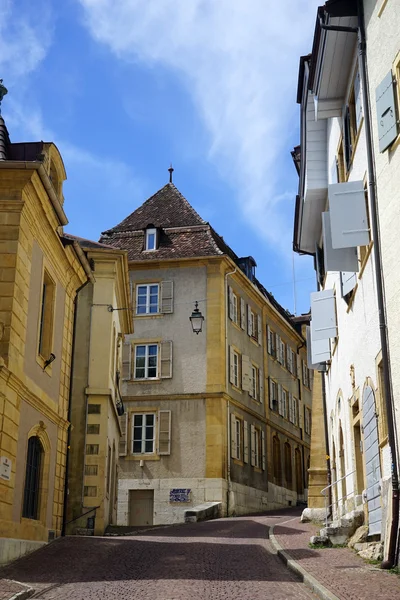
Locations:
{"points": [[151, 239]]}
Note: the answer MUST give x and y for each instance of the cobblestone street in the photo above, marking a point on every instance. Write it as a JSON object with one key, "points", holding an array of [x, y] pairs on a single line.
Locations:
{"points": [[225, 559]]}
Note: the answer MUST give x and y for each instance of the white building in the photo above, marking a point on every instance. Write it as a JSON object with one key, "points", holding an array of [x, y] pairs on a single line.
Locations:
{"points": [[336, 221]]}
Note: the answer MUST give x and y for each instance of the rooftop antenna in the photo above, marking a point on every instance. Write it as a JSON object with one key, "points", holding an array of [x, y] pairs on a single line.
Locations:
{"points": [[3, 92], [171, 170]]}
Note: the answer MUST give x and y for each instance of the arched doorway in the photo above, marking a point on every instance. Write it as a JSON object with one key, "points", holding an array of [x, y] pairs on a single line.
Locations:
{"points": [[276, 455], [33, 473], [372, 461], [288, 465], [342, 474]]}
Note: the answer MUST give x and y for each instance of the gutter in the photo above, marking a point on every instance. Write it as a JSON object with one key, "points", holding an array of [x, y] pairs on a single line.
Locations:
{"points": [[48, 186]]}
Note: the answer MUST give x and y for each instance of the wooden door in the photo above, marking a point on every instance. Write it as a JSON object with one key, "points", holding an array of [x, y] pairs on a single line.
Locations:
{"points": [[141, 507]]}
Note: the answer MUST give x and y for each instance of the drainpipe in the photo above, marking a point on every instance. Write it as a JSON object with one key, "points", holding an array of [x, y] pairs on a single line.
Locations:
{"points": [[387, 381], [229, 501], [65, 500]]}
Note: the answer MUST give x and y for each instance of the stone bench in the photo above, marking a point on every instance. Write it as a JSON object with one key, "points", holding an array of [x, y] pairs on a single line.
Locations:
{"points": [[203, 512]]}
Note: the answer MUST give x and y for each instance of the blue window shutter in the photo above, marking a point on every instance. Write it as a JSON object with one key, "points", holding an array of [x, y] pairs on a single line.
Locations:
{"points": [[323, 315], [386, 112], [342, 259], [348, 215]]}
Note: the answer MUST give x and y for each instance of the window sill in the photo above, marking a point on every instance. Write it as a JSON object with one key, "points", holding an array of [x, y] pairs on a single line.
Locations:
{"points": [[238, 462], [149, 315], [144, 457], [236, 325], [255, 342], [144, 380], [257, 469], [236, 388], [41, 362]]}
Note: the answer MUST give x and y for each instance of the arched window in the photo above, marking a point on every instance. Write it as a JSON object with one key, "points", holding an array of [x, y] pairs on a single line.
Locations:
{"points": [[288, 465], [276, 455], [32, 478]]}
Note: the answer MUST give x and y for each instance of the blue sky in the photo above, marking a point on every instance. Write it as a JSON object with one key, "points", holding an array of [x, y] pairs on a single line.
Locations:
{"points": [[124, 87]]}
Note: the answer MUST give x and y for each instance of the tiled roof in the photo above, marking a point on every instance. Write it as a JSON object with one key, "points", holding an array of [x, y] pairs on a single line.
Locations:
{"points": [[166, 208], [88, 244]]}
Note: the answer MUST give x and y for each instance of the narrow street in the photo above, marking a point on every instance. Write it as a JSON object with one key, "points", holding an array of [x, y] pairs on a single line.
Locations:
{"points": [[224, 559]]}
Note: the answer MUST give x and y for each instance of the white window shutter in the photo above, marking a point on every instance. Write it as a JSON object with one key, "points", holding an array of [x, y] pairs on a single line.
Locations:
{"points": [[259, 329], [357, 99], [280, 399], [164, 432], [233, 437], [245, 442], [284, 403], [263, 450], [167, 297], [386, 112], [249, 325], [348, 215], [348, 282], [242, 314], [253, 449], [246, 373], [323, 315], [230, 300], [251, 380], [290, 407], [278, 348], [123, 441], [126, 361], [341, 259], [166, 360], [261, 377], [270, 393], [269, 345], [320, 349], [231, 365]]}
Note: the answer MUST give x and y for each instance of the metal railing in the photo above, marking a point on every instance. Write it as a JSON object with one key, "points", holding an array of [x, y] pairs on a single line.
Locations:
{"points": [[329, 508]]}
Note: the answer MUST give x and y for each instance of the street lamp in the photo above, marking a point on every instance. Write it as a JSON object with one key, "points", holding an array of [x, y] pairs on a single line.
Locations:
{"points": [[196, 319]]}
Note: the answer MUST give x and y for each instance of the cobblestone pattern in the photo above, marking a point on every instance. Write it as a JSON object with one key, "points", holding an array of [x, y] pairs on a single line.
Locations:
{"points": [[226, 559], [9, 588], [339, 569]]}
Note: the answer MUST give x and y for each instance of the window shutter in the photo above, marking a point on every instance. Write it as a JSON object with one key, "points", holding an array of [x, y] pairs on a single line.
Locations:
{"points": [[290, 407], [242, 314], [230, 301], [233, 437], [347, 137], [357, 99], [246, 373], [245, 442], [253, 448], [167, 297], [284, 402], [295, 411], [231, 366], [347, 282], [278, 348], [164, 432], [261, 378], [126, 361], [319, 264], [259, 329], [337, 259], [386, 112], [348, 215], [289, 359], [323, 315], [270, 392], [263, 450], [269, 345], [123, 441], [320, 350], [132, 289], [280, 410], [294, 363], [249, 326], [166, 360], [251, 380]]}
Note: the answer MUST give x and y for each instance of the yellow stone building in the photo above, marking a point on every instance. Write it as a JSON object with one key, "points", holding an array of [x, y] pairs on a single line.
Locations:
{"points": [[103, 317], [41, 272], [219, 418]]}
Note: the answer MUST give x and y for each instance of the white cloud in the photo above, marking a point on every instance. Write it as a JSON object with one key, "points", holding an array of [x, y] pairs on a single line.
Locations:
{"points": [[239, 61]]}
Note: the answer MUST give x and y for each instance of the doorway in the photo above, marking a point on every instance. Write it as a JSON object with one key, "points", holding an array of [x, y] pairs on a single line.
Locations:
{"points": [[141, 507]]}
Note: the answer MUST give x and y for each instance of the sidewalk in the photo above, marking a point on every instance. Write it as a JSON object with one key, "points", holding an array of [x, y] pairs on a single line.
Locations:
{"points": [[340, 571], [13, 590]]}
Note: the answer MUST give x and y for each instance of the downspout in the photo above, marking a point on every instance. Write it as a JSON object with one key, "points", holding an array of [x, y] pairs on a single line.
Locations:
{"points": [[229, 498], [65, 500], [387, 382]]}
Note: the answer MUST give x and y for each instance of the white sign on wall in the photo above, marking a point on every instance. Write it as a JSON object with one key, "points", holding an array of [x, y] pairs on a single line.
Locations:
{"points": [[5, 468]]}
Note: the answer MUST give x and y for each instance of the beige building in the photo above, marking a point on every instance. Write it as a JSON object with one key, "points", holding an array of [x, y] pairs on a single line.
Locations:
{"points": [[206, 412], [40, 275], [103, 317]]}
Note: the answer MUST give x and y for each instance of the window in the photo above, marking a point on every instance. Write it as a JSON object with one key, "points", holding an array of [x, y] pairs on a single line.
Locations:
{"points": [[90, 491], [147, 299], [151, 239], [93, 429], [281, 351], [255, 447], [92, 448], [32, 478], [143, 433], [235, 378], [306, 375], [307, 420], [255, 383], [46, 317], [271, 342], [282, 401], [146, 361], [273, 394], [235, 308], [236, 437], [293, 410], [91, 469], [253, 324], [94, 409], [291, 360]]}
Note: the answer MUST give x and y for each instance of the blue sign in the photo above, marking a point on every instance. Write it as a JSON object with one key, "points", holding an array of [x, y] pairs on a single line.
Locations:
{"points": [[179, 495]]}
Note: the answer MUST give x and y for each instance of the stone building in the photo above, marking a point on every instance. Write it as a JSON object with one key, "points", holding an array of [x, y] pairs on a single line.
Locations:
{"points": [[222, 416], [347, 216], [103, 317], [40, 276]]}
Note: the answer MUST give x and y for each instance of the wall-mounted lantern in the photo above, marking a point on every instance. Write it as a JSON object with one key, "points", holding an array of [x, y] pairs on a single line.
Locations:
{"points": [[196, 319]]}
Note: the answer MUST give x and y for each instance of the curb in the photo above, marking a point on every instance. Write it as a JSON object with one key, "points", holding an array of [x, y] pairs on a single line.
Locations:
{"points": [[26, 593], [313, 584]]}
